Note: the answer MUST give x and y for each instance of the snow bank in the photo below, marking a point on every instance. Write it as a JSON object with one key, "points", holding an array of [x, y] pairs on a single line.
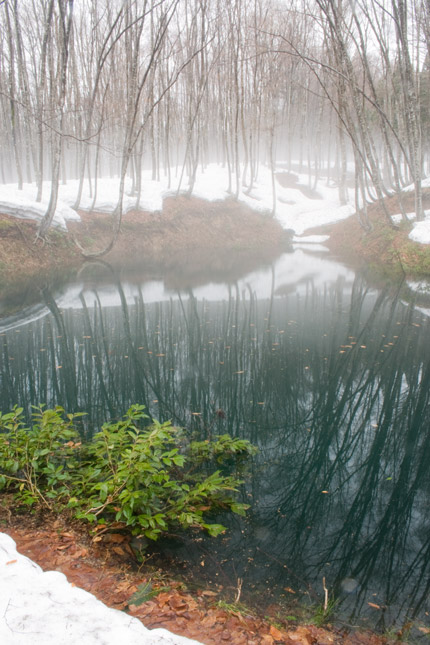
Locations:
{"points": [[38, 608], [421, 230], [310, 239], [295, 210], [22, 204]]}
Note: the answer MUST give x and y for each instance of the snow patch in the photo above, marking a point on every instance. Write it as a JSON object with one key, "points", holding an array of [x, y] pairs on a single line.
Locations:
{"points": [[398, 218], [421, 231], [419, 286], [22, 205], [38, 608], [310, 239]]}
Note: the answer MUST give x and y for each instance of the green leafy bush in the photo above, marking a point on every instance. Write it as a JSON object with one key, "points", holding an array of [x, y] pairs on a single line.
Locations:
{"points": [[148, 478]]}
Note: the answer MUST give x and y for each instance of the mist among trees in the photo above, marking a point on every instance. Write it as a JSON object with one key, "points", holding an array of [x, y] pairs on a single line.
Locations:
{"points": [[335, 88]]}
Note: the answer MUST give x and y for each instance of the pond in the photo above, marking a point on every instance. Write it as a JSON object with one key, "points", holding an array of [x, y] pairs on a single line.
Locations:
{"points": [[327, 375]]}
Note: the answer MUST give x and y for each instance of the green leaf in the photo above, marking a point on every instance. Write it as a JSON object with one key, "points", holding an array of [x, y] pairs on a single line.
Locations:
{"points": [[214, 529]]}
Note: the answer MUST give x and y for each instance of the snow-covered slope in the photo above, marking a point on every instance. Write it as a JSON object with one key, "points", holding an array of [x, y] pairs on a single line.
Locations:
{"points": [[43, 608]]}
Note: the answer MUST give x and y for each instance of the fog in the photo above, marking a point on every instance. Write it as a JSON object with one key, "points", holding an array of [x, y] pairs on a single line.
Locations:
{"points": [[103, 89]]}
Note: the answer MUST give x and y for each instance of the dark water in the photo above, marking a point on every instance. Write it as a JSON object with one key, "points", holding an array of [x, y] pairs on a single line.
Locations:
{"points": [[328, 376]]}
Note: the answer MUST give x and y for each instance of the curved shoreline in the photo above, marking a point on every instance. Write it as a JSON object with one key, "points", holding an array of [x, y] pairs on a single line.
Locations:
{"points": [[212, 234]]}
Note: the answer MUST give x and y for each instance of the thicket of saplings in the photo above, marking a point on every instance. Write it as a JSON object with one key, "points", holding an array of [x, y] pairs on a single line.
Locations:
{"points": [[149, 478]]}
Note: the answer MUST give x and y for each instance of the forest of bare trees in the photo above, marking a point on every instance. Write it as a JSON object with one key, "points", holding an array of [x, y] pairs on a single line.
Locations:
{"points": [[335, 88]]}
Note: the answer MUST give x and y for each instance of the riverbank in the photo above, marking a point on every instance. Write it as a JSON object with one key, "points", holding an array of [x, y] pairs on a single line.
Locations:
{"points": [[214, 237], [385, 251], [107, 567]]}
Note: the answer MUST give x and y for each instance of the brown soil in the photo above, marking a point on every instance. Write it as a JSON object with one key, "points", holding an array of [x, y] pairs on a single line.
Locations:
{"points": [[184, 223], [104, 564]]}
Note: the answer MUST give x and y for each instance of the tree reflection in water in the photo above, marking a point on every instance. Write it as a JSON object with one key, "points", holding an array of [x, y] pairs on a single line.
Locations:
{"points": [[333, 386]]}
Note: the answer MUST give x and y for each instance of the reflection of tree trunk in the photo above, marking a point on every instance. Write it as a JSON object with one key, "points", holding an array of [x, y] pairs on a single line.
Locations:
{"points": [[68, 363], [92, 333]]}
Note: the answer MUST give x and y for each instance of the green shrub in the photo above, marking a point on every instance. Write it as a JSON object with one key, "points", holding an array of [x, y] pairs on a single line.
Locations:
{"points": [[148, 478]]}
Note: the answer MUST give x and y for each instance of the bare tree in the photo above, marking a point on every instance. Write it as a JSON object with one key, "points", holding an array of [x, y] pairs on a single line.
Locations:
{"points": [[65, 21]]}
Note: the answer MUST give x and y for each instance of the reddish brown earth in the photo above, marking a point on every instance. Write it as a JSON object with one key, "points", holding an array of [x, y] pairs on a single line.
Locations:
{"points": [[104, 565], [386, 249]]}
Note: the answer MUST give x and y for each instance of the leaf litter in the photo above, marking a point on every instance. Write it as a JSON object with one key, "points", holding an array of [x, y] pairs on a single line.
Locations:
{"points": [[105, 567]]}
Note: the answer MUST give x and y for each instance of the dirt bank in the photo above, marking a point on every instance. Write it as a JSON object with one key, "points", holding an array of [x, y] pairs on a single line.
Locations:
{"points": [[384, 250]]}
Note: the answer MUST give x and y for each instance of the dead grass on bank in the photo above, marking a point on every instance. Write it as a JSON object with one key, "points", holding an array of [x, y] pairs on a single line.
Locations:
{"points": [[384, 249]]}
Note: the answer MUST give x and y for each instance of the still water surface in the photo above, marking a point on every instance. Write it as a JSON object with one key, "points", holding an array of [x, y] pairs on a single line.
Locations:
{"points": [[328, 376]]}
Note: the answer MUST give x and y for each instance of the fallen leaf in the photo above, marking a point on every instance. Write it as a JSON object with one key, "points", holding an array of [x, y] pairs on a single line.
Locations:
{"points": [[11, 562], [208, 621], [118, 550], [301, 635], [82, 553], [266, 639], [177, 602], [277, 635], [117, 538], [374, 605]]}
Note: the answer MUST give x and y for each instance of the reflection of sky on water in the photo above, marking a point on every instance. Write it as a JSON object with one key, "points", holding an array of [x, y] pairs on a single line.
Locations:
{"points": [[330, 378], [292, 272]]}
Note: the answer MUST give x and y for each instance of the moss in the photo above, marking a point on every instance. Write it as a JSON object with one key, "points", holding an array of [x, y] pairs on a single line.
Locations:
{"points": [[6, 224]]}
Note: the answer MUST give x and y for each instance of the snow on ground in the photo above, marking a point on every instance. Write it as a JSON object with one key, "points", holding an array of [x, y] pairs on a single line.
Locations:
{"points": [[38, 608], [22, 204], [294, 210], [311, 239], [398, 219], [419, 286], [421, 230]]}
